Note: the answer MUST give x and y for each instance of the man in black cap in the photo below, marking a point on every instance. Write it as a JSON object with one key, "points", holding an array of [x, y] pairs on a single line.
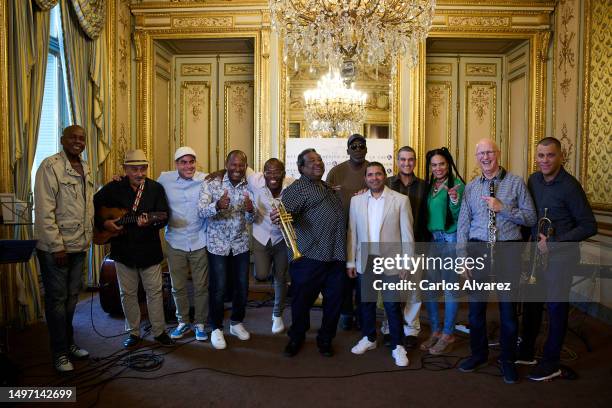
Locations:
{"points": [[348, 178]]}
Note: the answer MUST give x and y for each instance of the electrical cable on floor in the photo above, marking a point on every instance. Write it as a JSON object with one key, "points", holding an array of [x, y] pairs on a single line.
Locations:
{"points": [[101, 371]]}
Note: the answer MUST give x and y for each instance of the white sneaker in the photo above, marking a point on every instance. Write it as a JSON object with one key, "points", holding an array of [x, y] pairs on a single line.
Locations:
{"points": [[364, 345], [63, 364], [239, 331], [399, 355], [217, 340], [77, 352], [278, 326]]}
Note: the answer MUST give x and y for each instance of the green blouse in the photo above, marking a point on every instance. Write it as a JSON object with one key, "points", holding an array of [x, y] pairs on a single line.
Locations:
{"points": [[436, 208]]}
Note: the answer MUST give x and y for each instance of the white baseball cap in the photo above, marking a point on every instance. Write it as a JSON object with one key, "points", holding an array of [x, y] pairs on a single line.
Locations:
{"points": [[183, 151]]}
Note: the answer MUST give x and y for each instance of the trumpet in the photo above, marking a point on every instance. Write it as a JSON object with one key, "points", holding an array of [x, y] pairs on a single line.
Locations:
{"points": [[287, 229], [540, 260]]}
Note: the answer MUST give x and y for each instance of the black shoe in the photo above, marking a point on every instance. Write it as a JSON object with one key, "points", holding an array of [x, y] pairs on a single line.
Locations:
{"points": [[326, 349], [346, 322], [472, 364], [387, 340], [292, 348], [410, 342], [544, 372], [164, 339], [131, 341], [508, 370]]}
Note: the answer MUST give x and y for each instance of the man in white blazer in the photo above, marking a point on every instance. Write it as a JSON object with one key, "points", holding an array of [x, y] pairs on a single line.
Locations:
{"points": [[380, 215]]}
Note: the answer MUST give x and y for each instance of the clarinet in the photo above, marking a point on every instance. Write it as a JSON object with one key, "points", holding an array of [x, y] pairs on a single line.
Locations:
{"points": [[492, 230]]}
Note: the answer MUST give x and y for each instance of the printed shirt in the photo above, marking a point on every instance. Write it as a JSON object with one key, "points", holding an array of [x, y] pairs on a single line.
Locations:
{"points": [[227, 229], [318, 219], [186, 231]]}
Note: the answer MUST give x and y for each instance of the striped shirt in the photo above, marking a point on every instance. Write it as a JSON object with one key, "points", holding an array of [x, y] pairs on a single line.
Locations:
{"points": [[517, 209], [318, 220]]}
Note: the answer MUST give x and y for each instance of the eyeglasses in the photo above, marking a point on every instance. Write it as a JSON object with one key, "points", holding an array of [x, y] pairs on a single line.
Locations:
{"points": [[486, 153], [357, 146]]}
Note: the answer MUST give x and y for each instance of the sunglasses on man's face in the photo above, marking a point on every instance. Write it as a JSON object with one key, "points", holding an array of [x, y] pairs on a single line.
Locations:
{"points": [[357, 146]]}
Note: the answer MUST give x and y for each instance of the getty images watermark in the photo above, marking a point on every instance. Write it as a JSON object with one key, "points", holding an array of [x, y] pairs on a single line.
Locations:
{"points": [[477, 271], [411, 264]]}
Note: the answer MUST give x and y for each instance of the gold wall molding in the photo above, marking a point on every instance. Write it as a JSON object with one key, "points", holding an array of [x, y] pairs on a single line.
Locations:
{"points": [[196, 69], [597, 114], [479, 21], [434, 68], [481, 69], [203, 22], [238, 69]]}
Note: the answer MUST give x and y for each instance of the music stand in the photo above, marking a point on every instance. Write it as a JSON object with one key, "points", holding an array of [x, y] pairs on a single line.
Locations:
{"points": [[11, 251]]}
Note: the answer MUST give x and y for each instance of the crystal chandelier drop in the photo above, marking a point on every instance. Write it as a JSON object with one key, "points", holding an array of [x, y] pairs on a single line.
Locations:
{"points": [[332, 32], [334, 108]]}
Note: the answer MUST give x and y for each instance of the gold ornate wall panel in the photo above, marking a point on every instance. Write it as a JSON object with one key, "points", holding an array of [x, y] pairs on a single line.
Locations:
{"points": [[120, 21], [441, 103], [195, 119], [5, 168], [479, 120], [566, 82], [439, 111], [174, 21], [596, 170], [238, 117]]}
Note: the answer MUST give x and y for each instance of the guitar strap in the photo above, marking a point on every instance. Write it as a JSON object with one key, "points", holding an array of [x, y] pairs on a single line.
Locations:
{"points": [[138, 196]]}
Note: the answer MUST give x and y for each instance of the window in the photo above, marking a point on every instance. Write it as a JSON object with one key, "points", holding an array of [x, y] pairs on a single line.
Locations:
{"points": [[55, 113]]}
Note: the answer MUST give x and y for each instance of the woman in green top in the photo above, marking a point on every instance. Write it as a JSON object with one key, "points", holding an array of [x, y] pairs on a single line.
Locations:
{"points": [[444, 192]]}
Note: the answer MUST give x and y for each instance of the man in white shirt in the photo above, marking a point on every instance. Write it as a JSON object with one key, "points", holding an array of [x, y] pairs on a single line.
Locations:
{"points": [[269, 248], [186, 239], [378, 217]]}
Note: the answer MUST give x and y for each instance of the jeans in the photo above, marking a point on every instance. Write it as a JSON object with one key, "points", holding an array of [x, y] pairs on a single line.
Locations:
{"points": [[220, 267], [180, 263], [275, 255], [368, 318], [450, 306], [310, 277], [557, 315], [62, 285], [505, 271]]}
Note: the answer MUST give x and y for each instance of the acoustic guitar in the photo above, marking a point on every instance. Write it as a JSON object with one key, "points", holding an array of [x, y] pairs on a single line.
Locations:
{"points": [[101, 237]]}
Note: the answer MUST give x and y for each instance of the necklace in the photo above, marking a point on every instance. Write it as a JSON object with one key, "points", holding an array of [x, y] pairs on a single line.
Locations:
{"points": [[437, 185]]}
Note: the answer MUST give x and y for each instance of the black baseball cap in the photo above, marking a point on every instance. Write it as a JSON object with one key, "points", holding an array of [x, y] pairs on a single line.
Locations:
{"points": [[356, 136]]}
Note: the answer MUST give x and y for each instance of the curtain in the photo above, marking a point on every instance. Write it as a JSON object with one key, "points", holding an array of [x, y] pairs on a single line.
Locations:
{"points": [[86, 63], [28, 45]]}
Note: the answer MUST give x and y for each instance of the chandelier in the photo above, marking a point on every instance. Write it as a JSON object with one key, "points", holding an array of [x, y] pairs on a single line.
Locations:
{"points": [[334, 108], [334, 32]]}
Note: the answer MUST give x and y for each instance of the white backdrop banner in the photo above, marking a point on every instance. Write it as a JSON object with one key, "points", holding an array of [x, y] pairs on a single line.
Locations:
{"points": [[333, 152]]}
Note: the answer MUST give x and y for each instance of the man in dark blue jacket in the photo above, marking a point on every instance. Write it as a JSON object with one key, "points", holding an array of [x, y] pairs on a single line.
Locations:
{"points": [[560, 197]]}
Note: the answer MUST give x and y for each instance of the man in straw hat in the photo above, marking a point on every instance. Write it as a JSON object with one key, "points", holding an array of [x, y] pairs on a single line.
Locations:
{"points": [[137, 249]]}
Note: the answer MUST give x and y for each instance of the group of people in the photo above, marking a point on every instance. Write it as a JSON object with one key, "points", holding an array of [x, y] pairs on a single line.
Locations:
{"points": [[211, 217]]}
